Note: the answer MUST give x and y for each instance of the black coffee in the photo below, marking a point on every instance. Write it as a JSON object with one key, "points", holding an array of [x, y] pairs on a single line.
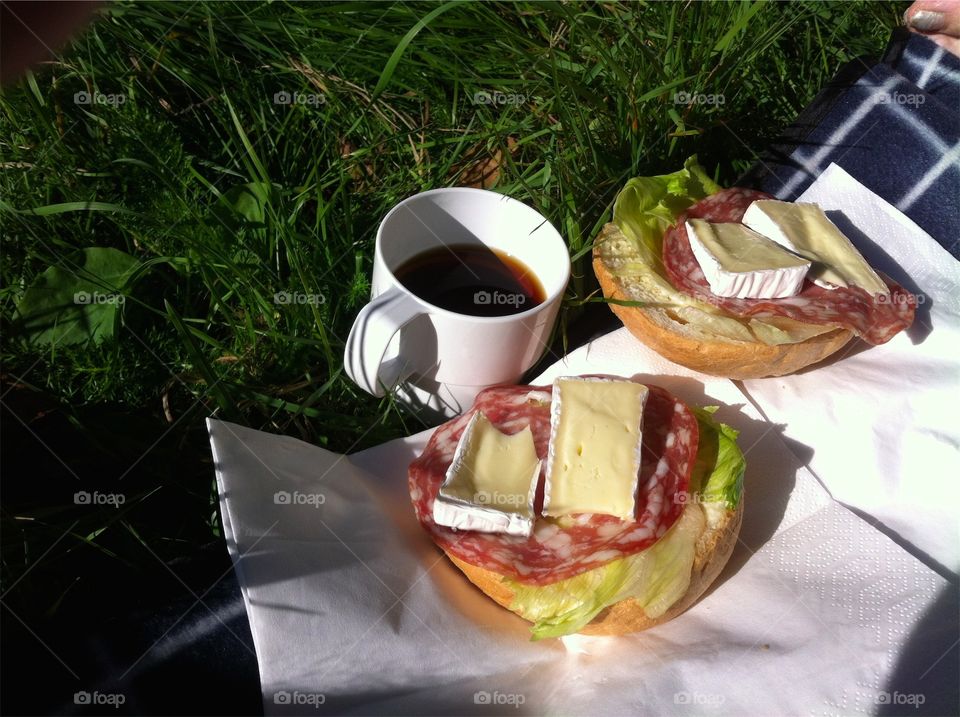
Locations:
{"points": [[471, 279]]}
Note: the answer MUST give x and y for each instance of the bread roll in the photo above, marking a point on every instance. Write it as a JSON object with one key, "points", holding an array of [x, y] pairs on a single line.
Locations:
{"points": [[663, 328], [713, 549]]}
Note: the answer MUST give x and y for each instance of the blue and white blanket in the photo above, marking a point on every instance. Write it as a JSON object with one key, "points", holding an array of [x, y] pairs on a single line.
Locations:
{"points": [[893, 125]]}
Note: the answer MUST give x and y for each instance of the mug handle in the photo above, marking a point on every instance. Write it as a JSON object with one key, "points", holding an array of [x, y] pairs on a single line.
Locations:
{"points": [[372, 330]]}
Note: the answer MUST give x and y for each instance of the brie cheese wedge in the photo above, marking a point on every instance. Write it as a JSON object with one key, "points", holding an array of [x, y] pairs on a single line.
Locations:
{"points": [[738, 262], [806, 229], [491, 483], [593, 459]]}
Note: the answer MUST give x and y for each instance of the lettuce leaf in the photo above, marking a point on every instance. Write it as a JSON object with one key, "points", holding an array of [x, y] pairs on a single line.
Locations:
{"points": [[647, 206], [564, 607], [658, 576], [725, 484]]}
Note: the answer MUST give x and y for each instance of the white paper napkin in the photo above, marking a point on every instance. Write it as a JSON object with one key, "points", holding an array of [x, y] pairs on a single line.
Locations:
{"points": [[353, 610], [884, 421]]}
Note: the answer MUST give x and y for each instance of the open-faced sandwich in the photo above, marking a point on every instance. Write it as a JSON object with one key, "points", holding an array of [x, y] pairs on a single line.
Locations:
{"points": [[597, 505], [734, 283]]}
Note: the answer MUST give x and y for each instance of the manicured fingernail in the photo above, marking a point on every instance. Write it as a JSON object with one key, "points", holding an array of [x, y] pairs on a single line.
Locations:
{"points": [[928, 21]]}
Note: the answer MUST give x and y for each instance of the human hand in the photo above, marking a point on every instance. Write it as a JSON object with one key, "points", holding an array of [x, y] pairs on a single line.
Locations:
{"points": [[937, 19]]}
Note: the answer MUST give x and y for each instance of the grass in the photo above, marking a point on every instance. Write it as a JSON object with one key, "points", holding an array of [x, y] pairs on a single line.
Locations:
{"points": [[225, 198]]}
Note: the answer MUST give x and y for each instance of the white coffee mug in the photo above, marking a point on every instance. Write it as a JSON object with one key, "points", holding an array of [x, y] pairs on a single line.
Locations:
{"points": [[438, 360]]}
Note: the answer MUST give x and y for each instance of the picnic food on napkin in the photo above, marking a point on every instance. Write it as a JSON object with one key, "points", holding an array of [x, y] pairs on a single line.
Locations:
{"points": [[586, 563], [703, 276]]}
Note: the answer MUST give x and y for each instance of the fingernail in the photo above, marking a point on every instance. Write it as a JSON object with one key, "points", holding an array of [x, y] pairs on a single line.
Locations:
{"points": [[928, 21]]}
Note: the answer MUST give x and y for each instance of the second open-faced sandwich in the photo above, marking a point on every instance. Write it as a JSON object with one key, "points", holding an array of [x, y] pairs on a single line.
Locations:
{"points": [[732, 282]]}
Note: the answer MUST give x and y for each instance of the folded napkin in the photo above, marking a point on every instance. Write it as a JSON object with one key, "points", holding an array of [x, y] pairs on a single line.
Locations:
{"points": [[883, 420], [353, 610]]}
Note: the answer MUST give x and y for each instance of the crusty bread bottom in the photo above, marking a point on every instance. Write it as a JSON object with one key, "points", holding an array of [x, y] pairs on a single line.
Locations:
{"points": [[719, 357], [714, 548]]}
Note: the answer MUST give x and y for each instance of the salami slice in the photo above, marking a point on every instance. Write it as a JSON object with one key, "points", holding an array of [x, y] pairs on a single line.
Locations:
{"points": [[561, 549], [875, 319]]}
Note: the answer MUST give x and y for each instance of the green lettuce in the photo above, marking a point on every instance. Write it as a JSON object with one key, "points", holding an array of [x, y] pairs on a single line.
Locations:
{"points": [[564, 607], [725, 484], [647, 206], [658, 576]]}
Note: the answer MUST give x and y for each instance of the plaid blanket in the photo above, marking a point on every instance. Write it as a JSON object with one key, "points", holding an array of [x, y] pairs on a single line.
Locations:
{"points": [[894, 125]]}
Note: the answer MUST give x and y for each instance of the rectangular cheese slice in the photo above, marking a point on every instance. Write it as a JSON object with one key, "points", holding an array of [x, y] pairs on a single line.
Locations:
{"points": [[596, 434], [739, 262], [806, 229], [492, 481]]}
